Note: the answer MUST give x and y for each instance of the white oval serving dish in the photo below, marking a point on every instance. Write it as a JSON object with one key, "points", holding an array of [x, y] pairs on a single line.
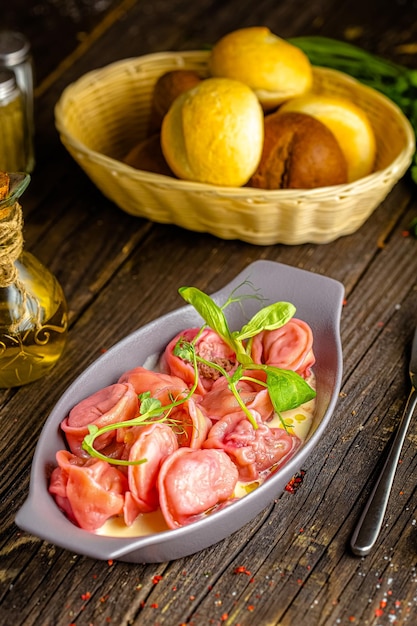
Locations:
{"points": [[318, 300]]}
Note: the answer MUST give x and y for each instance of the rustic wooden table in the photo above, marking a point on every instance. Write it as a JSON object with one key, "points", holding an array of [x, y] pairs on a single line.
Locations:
{"points": [[291, 565]]}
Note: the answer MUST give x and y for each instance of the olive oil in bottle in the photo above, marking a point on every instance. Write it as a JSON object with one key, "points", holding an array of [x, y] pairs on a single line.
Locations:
{"points": [[33, 311]]}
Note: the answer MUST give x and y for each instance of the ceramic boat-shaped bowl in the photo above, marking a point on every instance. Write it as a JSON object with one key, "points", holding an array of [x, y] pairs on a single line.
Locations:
{"points": [[318, 300]]}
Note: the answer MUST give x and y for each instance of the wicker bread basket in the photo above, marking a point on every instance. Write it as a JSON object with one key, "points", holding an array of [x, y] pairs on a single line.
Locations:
{"points": [[106, 112]]}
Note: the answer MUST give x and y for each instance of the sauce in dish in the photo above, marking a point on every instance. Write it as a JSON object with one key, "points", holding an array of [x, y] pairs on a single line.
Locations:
{"points": [[216, 416]]}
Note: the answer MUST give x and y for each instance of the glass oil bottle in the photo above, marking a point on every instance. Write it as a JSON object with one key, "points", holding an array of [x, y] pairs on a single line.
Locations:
{"points": [[33, 310]]}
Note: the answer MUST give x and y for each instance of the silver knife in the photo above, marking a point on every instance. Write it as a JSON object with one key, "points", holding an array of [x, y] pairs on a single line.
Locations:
{"points": [[370, 522]]}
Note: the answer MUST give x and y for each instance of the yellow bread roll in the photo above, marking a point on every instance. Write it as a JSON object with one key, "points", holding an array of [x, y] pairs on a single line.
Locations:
{"points": [[275, 69], [349, 124], [213, 133]]}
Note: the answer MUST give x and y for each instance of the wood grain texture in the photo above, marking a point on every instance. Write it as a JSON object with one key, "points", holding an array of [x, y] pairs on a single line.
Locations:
{"points": [[290, 566]]}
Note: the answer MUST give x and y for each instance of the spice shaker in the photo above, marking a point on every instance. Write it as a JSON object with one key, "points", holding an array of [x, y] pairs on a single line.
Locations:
{"points": [[33, 309], [15, 55], [12, 124]]}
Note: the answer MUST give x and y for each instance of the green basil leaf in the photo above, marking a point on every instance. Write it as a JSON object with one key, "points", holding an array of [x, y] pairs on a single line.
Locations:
{"points": [[268, 318], [151, 405], [211, 313], [287, 389]]}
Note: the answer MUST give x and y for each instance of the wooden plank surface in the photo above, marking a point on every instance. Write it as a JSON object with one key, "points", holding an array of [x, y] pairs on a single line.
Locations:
{"points": [[290, 566]]}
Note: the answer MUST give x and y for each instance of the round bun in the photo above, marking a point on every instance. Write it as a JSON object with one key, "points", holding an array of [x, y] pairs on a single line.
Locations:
{"points": [[213, 133], [275, 69], [168, 87], [299, 153], [147, 155], [349, 124]]}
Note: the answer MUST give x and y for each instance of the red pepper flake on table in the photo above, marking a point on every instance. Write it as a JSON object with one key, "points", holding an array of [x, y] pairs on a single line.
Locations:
{"points": [[156, 579], [295, 482]]}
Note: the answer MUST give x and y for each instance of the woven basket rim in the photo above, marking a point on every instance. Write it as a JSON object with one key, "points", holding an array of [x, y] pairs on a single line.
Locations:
{"points": [[122, 169]]}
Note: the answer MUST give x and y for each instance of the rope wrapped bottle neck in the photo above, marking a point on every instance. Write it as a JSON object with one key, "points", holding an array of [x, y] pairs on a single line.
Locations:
{"points": [[11, 242]]}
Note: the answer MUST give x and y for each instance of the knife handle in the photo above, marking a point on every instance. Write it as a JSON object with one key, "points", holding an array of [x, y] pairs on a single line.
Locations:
{"points": [[370, 522]]}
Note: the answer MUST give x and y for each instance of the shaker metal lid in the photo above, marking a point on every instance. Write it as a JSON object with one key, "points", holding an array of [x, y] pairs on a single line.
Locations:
{"points": [[14, 48]]}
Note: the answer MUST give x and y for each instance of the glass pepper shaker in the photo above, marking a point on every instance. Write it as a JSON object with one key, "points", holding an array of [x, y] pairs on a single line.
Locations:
{"points": [[12, 124], [15, 55], [33, 310]]}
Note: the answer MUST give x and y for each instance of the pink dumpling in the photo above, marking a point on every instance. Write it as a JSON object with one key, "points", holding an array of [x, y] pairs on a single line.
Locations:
{"points": [[209, 346], [154, 442], [110, 405], [191, 482], [90, 491], [289, 347]]}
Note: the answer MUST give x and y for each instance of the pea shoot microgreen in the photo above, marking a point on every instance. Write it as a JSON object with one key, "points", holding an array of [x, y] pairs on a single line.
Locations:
{"points": [[286, 388], [151, 411]]}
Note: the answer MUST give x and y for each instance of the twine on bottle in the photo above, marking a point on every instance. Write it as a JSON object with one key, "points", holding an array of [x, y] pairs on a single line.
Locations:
{"points": [[11, 247], [11, 244]]}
